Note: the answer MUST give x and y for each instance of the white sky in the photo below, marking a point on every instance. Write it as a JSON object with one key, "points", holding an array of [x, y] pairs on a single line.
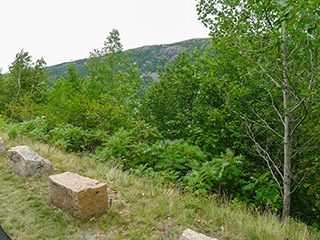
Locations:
{"points": [[65, 30]]}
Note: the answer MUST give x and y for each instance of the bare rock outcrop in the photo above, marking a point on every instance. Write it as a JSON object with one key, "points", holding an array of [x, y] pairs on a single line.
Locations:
{"points": [[189, 234], [25, 162], [82, 197]]}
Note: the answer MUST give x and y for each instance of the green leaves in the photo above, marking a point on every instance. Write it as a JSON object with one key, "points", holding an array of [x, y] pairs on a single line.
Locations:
{"points": [[25, 78], [113, 83], [143, 146], [267, 50], [186, 104]]}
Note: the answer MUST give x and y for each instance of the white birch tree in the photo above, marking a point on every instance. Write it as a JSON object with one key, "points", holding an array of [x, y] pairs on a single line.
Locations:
{"points": [[276, 46]]}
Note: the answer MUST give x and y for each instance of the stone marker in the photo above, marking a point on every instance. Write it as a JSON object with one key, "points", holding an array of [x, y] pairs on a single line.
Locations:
{"points": [[24, 161], [189, 234], [82, 197], [2, 149]]}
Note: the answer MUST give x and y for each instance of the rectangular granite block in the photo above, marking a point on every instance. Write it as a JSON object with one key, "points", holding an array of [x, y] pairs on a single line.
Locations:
{"points": [[82, 197]]}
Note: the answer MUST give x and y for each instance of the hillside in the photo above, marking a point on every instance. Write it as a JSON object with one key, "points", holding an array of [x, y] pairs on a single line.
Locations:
{"points": [[149, 58], [143, 208]]}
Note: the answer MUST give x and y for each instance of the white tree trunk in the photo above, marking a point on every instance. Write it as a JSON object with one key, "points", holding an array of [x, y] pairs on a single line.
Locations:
{"points": [[19, 86], [287, 134]]}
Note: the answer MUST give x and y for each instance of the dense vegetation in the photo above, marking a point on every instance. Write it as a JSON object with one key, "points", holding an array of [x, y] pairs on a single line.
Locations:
{"points": [[142, 208], [239, 119]]}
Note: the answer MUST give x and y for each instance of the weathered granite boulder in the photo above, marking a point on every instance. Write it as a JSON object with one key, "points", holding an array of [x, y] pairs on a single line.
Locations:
{"points": [[3, 234], [82, 197], [2, 149], [24, 161], [189, 234]]}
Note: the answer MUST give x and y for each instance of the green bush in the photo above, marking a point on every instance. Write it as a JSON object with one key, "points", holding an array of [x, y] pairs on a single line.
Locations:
{"points": [[71, 138], [64, 136], [226, 176], [223, 175], [36, 129], [263, 192], [128, 145], [143, 148]]}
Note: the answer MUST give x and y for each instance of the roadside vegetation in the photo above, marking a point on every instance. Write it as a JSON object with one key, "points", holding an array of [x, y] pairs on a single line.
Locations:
{"points": [[143, 208]]}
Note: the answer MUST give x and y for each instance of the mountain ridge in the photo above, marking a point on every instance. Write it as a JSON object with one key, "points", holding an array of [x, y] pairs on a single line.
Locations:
{"points": [[149, 58]]}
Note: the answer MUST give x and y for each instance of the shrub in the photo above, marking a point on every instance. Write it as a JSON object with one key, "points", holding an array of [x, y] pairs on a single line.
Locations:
{"points": [[128, 145], [71, 138], [143, 148], [223, 175], [36, 129], [64, 136], [263, 192]]}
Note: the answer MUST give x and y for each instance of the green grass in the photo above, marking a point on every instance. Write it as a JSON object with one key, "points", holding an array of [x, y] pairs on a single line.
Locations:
{"points": [[142, 208]]}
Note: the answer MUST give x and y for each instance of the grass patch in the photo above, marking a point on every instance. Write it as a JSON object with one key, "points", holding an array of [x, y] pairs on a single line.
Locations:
{"points": [[142, 208]]}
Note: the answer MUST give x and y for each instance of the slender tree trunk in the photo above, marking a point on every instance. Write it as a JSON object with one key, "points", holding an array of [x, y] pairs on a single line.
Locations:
{"points": [[287, 161], [18, 91], [287, 133], [19, 86]]}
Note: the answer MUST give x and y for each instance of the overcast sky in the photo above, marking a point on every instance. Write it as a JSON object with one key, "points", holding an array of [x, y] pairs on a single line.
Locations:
{"points": [[65, 30]]}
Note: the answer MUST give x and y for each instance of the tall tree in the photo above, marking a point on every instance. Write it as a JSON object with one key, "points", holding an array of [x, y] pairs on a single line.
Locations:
{"points": [[109, 69], [183, 104], [24, 78], [275, 47], [113, 82]]}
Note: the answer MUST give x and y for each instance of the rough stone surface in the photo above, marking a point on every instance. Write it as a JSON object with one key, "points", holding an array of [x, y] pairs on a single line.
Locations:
{"points": [[2, 149], [82, 197], [24, 161], [189, 234]]}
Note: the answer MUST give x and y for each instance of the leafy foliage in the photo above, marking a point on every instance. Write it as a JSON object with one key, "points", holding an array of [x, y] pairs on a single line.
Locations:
{"points": [[190, 128], [25, 79], [272, 48], [143, 146], [105, 100], [183, 104]]}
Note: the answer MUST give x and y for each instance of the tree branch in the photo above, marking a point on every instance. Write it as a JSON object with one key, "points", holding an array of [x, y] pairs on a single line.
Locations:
{"points": [[305, 144], [266, 125], [266, 157]]}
